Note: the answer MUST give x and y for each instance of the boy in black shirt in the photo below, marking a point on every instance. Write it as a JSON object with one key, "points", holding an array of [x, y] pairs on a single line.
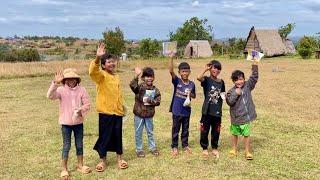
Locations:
{"points": [[214, 92]]}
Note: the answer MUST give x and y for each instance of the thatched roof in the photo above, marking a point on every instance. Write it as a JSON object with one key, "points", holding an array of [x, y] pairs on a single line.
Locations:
{"points": [[270, 41], [290, 46]]}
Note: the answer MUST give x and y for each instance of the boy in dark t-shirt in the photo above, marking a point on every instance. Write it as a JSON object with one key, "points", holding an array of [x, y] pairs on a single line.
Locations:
{"points": [[214, 93], [184, 89]]}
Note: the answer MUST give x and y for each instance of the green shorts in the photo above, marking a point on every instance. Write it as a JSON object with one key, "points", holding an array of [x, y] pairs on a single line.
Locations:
{"points": [[240, 130]]}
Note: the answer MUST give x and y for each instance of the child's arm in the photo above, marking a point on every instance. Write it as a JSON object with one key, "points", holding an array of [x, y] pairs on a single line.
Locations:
{"points": [[84, 109], [171, 55], [201, 75], [254, 76], [94, 71], [233, 95], [223, 91], [193, 92], [52, 92], [134, 82]]}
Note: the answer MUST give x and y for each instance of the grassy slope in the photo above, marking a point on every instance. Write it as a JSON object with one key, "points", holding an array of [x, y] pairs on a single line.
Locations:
{"points": [[285, 137]]}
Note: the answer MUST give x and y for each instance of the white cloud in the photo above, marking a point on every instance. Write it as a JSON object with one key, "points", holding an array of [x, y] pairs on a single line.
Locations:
{"points": [[237, 4], [195, 4], [3, 20], [49, 2]]}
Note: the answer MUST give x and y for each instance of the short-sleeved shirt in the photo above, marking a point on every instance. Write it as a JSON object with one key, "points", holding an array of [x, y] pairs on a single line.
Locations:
{"points": [[212, 90], [180, 95]]}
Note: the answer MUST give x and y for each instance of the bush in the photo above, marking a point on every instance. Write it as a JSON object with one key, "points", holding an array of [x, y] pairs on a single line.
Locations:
{"points": [[24, 55], [306, 47]]}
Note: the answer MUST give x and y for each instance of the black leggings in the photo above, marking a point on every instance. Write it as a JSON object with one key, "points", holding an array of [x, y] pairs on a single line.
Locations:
{"points": [[206, 122]]}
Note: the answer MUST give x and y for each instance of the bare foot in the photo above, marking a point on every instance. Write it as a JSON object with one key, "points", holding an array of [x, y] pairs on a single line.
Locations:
{"points": [[188, 150], [175, 152], [215, 153]]}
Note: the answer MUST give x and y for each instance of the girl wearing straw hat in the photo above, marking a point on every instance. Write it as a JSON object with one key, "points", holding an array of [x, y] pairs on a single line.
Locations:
{"points": [[74, 105]]}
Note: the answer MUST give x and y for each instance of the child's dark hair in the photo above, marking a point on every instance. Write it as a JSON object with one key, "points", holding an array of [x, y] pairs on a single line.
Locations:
{"points": [[236, 75], [216, 64], [183, 65], [147, 71], [105, 57]]}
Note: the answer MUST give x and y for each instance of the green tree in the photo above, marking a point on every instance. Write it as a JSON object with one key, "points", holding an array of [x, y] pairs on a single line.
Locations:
{"points": [[284, 31], [306, 47], [149, 48], [114, 41], [192, 29]]}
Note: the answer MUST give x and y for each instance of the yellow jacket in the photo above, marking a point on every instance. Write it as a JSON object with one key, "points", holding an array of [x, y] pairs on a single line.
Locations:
{"points": [[109, 98]]}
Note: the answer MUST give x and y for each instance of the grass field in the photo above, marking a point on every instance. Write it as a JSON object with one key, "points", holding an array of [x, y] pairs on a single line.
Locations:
{"points": [[285, 136]]}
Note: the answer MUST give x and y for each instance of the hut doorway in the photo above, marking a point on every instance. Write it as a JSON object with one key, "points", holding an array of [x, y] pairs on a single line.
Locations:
{"points": [[191, 51]]}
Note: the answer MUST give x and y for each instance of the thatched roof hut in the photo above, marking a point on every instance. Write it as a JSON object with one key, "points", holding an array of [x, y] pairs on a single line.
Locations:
{"points": [[268, 42], [198, 48], [290, 49]]}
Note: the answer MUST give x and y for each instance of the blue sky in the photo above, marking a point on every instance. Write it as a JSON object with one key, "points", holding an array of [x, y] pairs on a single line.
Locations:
{"points": [[153, 18]]}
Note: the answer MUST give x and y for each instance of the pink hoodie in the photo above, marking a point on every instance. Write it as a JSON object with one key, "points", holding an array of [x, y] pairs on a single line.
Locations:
{"points": [[71, 99]]}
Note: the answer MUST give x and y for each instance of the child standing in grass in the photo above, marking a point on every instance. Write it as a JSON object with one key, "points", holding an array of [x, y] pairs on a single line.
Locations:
{"points": [[242, 109], [184, 89], [147, 96], [74, 105], [214, 93], [109, 104]]}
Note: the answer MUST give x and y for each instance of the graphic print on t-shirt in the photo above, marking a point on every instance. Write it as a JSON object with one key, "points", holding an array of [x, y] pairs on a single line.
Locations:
{"points": [[149, 94], [214, 95]]}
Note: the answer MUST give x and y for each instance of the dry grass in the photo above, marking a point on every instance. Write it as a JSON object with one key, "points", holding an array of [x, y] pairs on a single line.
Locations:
{"points": [[284, 137]]}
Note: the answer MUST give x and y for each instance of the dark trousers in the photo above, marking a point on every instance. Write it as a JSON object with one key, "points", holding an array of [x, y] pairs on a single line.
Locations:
{"points": [[177, 122], [66, 137], [110, 135], [206, 122]]}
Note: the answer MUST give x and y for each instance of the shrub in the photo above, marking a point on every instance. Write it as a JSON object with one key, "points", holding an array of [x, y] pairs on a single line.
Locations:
{"points": [[306, 47]]}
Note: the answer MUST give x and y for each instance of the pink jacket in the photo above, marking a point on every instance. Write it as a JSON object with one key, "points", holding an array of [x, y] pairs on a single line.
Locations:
{"points": [[71, 100]]}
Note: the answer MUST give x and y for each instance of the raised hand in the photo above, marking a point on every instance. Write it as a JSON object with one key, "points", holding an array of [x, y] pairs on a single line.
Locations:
{"points": [[137, 71], [208, 66], [101, 50], [58, 77], [172, 54], [255, 61]]}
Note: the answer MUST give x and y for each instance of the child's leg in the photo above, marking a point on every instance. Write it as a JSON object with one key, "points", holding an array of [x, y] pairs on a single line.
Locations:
{"points": [[149, 128], [78, 137], [246, 134], [215, 131], [138, 126], [234, 140], [176, 123], [246, 140], [66, 137], [105, 131], [204, 131], [185, 131]]}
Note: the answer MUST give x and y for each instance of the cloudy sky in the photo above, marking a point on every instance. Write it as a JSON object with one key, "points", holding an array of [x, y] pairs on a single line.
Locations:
{"points": [[153, 18]]}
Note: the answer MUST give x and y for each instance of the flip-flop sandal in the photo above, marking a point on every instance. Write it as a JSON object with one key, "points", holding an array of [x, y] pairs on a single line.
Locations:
{"points": [[249, 156], [233, 153], [101, 167], [84, 170], [64, 175], [122, 164]]}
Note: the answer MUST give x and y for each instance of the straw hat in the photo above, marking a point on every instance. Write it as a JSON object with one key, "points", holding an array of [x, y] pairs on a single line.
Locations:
{"points": [[70, 73]]}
